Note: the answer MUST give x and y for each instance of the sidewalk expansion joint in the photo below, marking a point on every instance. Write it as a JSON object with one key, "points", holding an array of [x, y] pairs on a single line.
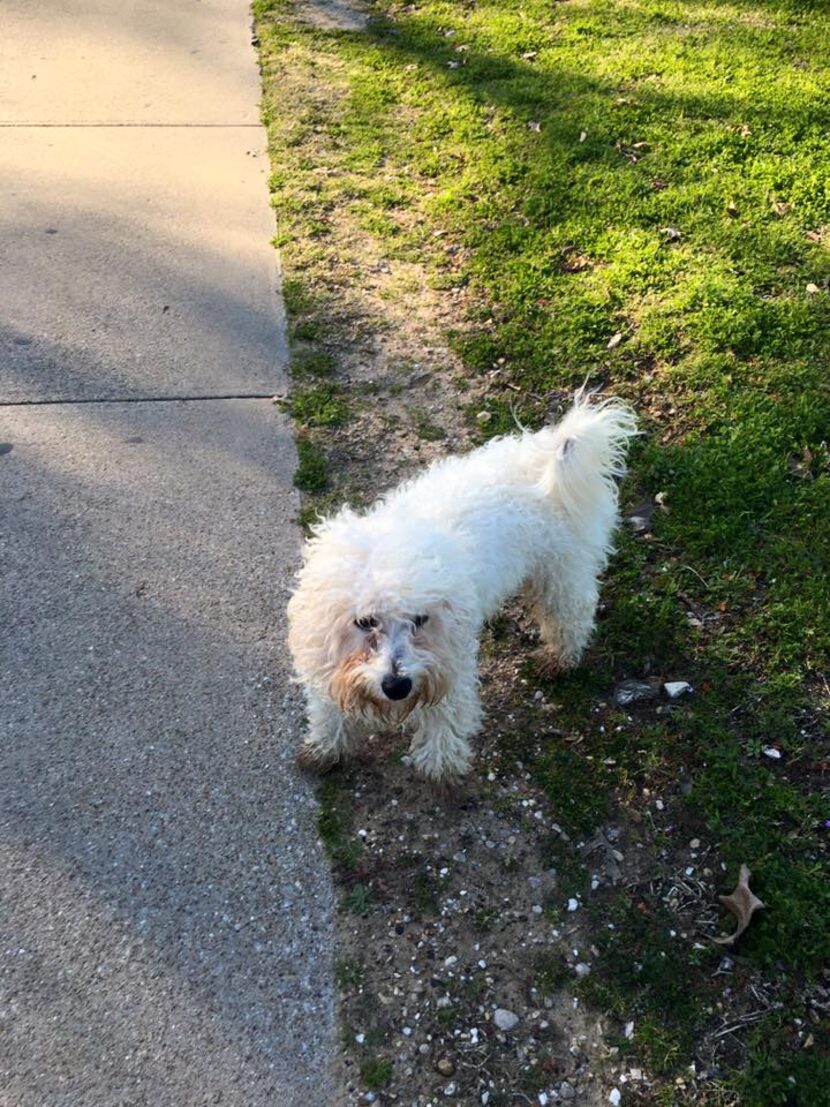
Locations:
{"points": [[146, 126], [69, 402]]}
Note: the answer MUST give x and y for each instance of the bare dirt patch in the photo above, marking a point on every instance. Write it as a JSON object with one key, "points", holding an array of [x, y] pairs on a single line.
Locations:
{"points": [[482, 934]]}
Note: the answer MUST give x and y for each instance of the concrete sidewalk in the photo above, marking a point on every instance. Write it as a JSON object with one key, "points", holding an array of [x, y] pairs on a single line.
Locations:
{"points": [[165, 915]]}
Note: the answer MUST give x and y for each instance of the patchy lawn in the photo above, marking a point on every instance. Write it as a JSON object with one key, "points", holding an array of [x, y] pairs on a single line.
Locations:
{"points": [[481, 206]]}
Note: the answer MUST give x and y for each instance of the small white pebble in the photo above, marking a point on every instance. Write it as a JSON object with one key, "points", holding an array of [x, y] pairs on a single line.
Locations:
{"points": [[573, 904], [505, 1020], [615, 1097], [675, 688], [629, 1030], [695, 843]]}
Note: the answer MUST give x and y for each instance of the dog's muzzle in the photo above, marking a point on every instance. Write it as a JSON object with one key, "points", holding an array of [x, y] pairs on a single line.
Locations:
{"points": [[396, 687]]}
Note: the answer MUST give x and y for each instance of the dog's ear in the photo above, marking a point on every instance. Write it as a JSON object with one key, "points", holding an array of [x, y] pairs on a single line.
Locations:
{"points": [[320, 634], [454, 627]]}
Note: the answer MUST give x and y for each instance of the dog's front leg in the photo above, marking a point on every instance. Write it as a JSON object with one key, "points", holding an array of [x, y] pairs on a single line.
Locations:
{"points": [[329, 735], [440, 748]]}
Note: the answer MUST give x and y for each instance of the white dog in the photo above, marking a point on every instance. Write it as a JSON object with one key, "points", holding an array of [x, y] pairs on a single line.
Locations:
{"points": [[385, 621]]}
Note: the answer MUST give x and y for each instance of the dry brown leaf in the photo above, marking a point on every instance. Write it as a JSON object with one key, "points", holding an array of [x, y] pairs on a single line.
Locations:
{"points": [[743, 904], [575, 263]]}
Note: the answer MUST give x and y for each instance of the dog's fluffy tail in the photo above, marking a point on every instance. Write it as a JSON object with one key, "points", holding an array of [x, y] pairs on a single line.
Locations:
{"points": [[584, 455]]}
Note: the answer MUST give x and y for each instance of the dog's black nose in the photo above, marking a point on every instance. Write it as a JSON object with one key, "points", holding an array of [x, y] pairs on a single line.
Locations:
{"points": [[396, 687]]}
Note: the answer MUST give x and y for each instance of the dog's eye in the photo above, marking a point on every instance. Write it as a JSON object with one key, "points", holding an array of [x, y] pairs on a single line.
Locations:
{"points": [[419, 620], [368, 622]]}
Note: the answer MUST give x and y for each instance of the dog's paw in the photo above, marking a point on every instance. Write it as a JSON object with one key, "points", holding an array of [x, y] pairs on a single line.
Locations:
{"points": [[550, 664], [316, 759], [443, 769]]}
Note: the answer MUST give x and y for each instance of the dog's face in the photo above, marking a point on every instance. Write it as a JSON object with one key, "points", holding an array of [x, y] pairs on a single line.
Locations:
{"points": [[389, 663]]}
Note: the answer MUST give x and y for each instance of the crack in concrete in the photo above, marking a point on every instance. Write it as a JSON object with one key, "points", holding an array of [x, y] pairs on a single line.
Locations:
{"points": [[68, 401]]}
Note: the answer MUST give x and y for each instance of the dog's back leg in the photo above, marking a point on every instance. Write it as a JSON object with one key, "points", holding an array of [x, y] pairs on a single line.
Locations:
{"points": [[564, 603]]}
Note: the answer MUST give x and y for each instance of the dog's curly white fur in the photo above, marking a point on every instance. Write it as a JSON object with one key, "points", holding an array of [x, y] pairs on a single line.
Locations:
{"points": [[384, 624]]}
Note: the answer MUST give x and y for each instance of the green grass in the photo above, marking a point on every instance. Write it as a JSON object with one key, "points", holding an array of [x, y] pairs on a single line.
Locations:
{"points": [[312, 473], [376, 1074], [320, 405], [425, 427], [348, 972], [658, 170]]}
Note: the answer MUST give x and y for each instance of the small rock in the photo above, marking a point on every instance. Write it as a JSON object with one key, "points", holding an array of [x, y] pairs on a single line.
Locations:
{"points": [[675, 688], [450, 1089], [573, 904], [505, 1020], [775, 754], [582, 969], [629, 1030], [445, 1066], [484, 417], [566, 1090], [639, 518], [695, 843], [633, 691], [615, 1097]]}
